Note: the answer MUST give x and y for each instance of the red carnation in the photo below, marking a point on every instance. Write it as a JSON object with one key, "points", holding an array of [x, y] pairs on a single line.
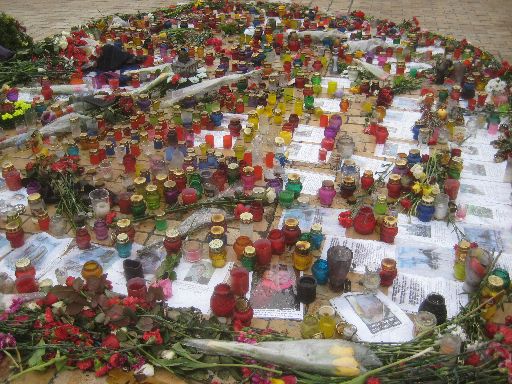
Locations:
{"points": [[406, 203], [345, 219], [102, 370], [116, 360], [289, 379], [473, 359], [88, 313], [110, 342], [50, 299], [84, 365], [506, 333], [48, 315], [491, 329], [424, 158], [110, 217], [153, 337], [373, 380], [69, 281]]}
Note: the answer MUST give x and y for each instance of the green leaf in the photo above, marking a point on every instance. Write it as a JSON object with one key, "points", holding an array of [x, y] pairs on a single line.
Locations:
{"points": [[37, 356], [60, 364]]}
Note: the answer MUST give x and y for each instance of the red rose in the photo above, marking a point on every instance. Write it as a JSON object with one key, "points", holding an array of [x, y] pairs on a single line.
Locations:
{"points": [[69, 281], [110, 342], [88, 313], [508, 320], [116, 360], [473, 359], [289, 379], [153, 337], [373, 380], [345, 219], [102, 370], [507, 334], [424, 158], [110, 217], [491, 329], [48, 315], [84, 365], [406, 203]]}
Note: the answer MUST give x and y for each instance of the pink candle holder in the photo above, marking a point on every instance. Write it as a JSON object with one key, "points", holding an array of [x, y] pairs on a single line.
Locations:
{"points": [[137, 287], [192, 251]]}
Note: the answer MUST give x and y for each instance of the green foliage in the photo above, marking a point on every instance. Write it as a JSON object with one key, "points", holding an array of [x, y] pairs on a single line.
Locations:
{"points": [[403, 84], [12, 34]]}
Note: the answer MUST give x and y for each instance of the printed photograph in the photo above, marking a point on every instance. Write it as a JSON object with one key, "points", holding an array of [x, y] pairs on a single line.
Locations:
{"points": [[418, 230], [390, 149], [77, 258], [424, 261], [475, 169], [200, 273], [274, 288], [471, 189], [482, 212], [486, 238], [373, 312]]}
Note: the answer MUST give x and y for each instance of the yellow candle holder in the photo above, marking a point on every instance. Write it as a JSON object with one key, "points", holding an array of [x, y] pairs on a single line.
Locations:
{"points": [[203, 147], [286, 136], [331, 88], [272, 98], [298, 107], [288, 93]]}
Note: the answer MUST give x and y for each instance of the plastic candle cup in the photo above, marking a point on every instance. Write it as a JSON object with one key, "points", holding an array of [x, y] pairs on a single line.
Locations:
{"points": [[192, 251]]}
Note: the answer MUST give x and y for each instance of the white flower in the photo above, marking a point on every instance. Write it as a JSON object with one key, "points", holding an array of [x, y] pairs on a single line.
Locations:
{"points": [[417, 171], [168, 354], [33, 306], [41, 70], [61, 42], [194, 79], [182, 80], [495, 86], [435, 189], [147, 370], [65, 33], [202, 75], [270, 195]]}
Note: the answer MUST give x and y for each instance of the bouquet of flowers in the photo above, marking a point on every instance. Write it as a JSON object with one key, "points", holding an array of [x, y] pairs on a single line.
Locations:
{"points": [[11, 112]]}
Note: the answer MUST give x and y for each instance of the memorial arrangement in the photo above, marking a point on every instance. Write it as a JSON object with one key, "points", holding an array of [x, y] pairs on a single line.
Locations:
{"points": [[255, 193]]}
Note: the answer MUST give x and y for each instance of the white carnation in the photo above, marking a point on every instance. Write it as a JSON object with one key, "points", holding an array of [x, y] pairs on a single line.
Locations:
{"points": [[168, 354], [147, 370]]}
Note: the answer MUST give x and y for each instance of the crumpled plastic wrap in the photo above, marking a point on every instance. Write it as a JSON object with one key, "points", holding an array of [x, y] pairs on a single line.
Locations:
{"points": [[326, 357]]}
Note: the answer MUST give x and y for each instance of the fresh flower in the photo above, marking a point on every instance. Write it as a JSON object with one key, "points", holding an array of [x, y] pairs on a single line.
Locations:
{"points": [[270, 195], [345, 219], [146, 370], [166, 286], [84, 365], [416, 187], [7, 341], [168, 354], [111, 342], [435, 189], [406, 203], [153, 337]]}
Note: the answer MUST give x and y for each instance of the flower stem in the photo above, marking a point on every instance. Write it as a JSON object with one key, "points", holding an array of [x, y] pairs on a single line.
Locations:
{"points": [[38, 367]]}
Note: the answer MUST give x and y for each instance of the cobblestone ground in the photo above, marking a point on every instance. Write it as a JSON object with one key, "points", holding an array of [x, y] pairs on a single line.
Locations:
{"points": [[484, 23]]}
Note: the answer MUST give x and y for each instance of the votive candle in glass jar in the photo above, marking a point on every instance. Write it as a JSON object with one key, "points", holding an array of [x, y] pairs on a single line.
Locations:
{"points": [[286, 198], [388, 229], [123, 245], [243, 312], [172, 241], [192, 251], [263, 251], [302, 258], [367, 180], [152, 197], [425, 209], [451, 188], [294, 185], [441, 206], [339, 259], [132, 268], [326, 193], [100, 202], [125, 226], [306, 289], [222, 302], [291, 231], [136, 287], [13, 180], [35, 203], [15, 234], [105, 170], [189, 196], [316, 236], [101, 229], [347, 187], [423, 322], [320, 270], [239, 281], [91, 269], [248, 259], [394, 186], [24, 267], [217, 253], [239, 246], [43, 220], [246, 225], [277, 241], [160, 220], [138, 206], [82, 237], [326, 321], [309, 328], [387, 272], [26, 284], [171, 192]]}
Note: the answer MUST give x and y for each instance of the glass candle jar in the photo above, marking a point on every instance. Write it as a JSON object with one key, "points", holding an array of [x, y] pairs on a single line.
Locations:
{"points": [[294, 185], [316, 236], [388, 229], [347, 187], [243, 312], [367, 180], [451, 188], [24, 267], [381, 205], [248, 259], [132, 268], [222, 302], [172, 241], [35, 203], [435, 304], [239, 281], [326, 322], [425, 209], [291, 231], [136, 287], [441, 206], [123, 245], [13, 179], [461, 253], [138, 206], [394, 186], [91, 269], [152, 197], [326, 193], [277, 241], [15, 234], [455, 167], [43, 221], [160, 220], [192, 251], [364, 221], [491, 295], [286, 198], [26, 284], [100, 202], [246, 225], [124, 226], [306, 289], [423, 322], [263, 251], [82, 237], [302, 258], [101, 229], [217, 253], [309, 328], [320, 270], [387, 272], [171, 192], [339, 259]]}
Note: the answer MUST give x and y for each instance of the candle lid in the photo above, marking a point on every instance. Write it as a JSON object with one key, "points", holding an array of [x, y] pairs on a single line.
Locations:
{"points": [[217, 218], [317, 227], [414, 151], [217, 230], [248, 170], [293, 177], [139, 181], [170, 184], [495, 282], [279, 141], [7, 165], [160, 214], [249, 251], [401, 163], [123, 223], [348, 180], [122, 238], [394, 177], [390, 221], [178, 172], [13, 226], [368, 173], [23, 262], [233, 166], [302, 246], [326, 310], [291, 222], [427, 200], [246, 218], [388, 263], [242, 304], [34, 197], [161, 177], [136, 198], [349, 162], [216, 245], [326, 183]]}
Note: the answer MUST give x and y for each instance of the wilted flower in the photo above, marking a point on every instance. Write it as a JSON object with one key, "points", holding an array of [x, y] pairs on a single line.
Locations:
{"points": [[168, 354], [270, 195], [147, 370], [7, 340]]}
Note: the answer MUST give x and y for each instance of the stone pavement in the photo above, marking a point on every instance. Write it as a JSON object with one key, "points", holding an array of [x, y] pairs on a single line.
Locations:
{"points": [[484, 23]]}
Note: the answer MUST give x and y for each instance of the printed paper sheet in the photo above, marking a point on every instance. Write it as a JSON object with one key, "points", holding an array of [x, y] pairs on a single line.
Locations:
{"points": [[305, 152], [328, 217], [308, 133], [311, 181]]}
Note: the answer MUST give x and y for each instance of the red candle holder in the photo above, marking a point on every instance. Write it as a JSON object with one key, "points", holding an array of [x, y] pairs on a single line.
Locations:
{"points": [[327, 143], [324, 121], [269, 159], [210, 140], [189, 196], [26, 284], [239, 281], [263, 251], [277, 243], [137, 287], [222, 301], [227, 141]]}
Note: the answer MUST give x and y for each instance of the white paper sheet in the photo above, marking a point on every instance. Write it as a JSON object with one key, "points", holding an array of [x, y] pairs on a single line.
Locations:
{"points": [[409, 291], [476, 170], [490, 192], [478, 152], [328, 217], [404, 103], [366, 253], [42, 249], [305, 152], [376, 317], [308, 134], [481, 212], [432, 232], [374, 165], [399, 123], [311, 181], [328, 105], [13, 198], [390, 149], [195, 284]]}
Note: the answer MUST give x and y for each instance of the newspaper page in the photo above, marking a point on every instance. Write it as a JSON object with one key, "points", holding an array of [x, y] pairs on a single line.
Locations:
{"points": [[311, 181], [376, 317], [305, 152], [308, 216], [308, 133]]}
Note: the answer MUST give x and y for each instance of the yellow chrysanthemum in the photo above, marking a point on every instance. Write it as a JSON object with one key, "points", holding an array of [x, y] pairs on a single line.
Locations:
{"points": [[416, 187], [427, 190]]}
